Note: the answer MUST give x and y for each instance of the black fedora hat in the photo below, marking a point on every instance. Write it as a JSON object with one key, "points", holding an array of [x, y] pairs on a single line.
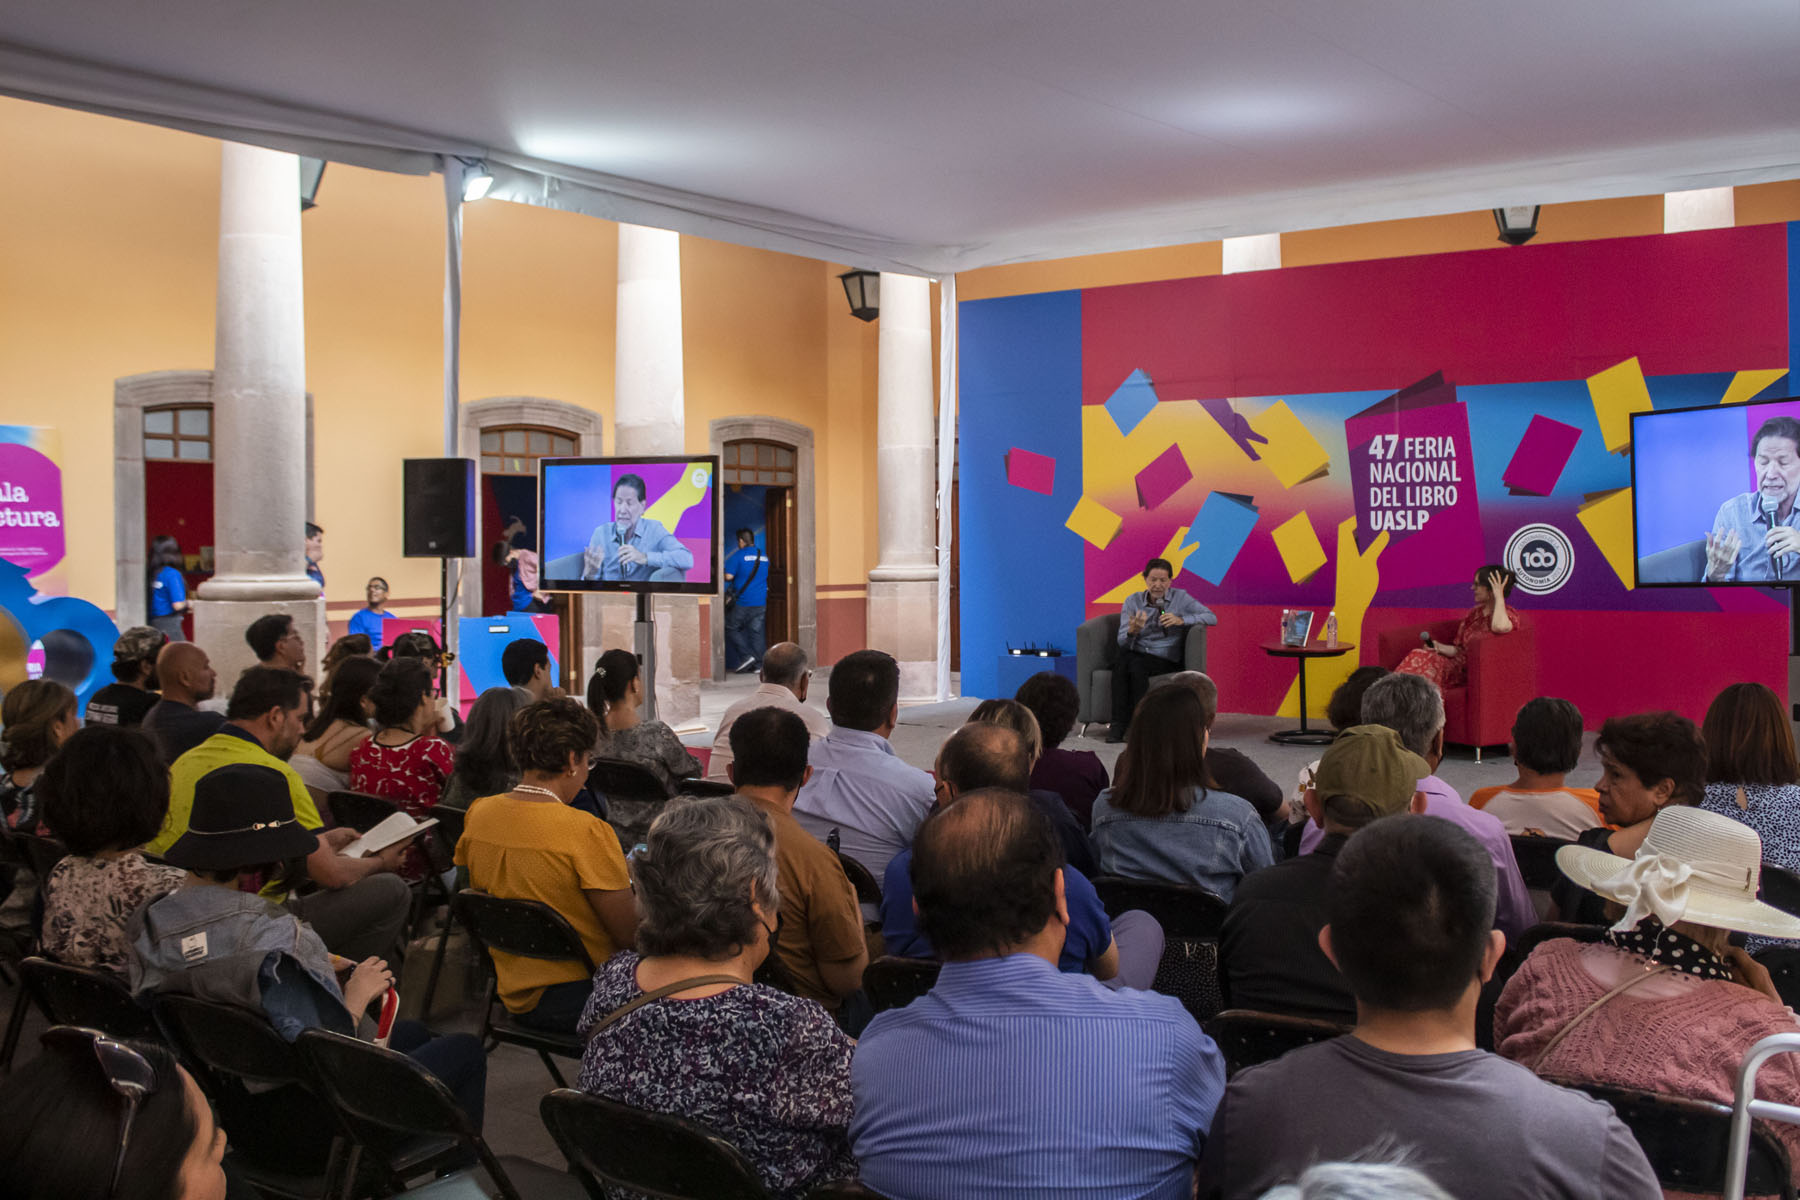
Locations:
{"points": [[243, 816]]}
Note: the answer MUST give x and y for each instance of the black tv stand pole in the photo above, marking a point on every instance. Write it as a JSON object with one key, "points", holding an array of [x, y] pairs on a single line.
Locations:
{"points": [[644, 642]]}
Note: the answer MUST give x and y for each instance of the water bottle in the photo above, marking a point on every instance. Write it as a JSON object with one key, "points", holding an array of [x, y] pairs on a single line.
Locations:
{"points": [[1282, 635], [1331, 630]]}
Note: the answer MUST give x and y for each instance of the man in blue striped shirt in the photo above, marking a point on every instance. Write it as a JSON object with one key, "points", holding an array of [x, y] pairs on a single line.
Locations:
{"points": [[1011, 1079]]}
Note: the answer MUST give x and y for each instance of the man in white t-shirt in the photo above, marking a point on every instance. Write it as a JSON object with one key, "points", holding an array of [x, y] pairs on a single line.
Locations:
{"points": [[786, 676]]}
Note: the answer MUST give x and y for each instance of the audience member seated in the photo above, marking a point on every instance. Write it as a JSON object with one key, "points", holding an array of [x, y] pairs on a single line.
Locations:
{"points": [[1665, 1004], [1011, 1078], [684, 1030], [38, 716], [1269, 952], [360, 904], [981, 756], [525, 662], [1546, 745], [1232, 770], [1160, 821], [104, 796], [1077, 852], [342, 724], [132, 693], [1751, 772], [351, 645], [1359, 1181], [1447, 664], [416, 643], [177, 722], [66, 1113], [1410, 912], [404, 761], [615, 694], [1075, 775], [1151, 637], [820, 942], [277, 642], [1414, 709], [484, 761], [211, 937], [527, 844], [1343, 710], [860, 789], [1647, 763], [786, 678]]}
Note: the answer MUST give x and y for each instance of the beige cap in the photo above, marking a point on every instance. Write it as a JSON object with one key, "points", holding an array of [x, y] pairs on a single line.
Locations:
{"points": [[1367, 764]]}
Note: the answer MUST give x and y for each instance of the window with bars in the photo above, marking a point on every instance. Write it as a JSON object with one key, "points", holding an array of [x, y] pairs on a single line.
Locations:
{"points": [[753, 462], [515, 450], [180, 433]]}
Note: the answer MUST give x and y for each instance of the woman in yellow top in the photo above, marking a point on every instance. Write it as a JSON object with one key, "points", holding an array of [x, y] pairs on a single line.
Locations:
{"points": [[528, 844]]}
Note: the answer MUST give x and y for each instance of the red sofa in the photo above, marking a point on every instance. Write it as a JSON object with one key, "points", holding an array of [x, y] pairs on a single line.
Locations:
{"points": [[1503, 675]]}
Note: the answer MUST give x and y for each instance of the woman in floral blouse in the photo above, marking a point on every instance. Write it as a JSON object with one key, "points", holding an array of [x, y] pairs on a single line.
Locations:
{"points": [[678, 1027], [104, 796], [405, 761]]}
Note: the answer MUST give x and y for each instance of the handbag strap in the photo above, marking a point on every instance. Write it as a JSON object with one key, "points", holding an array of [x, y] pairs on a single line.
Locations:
{"points": [[668, 989], [1538, 1062], [750, 578]]}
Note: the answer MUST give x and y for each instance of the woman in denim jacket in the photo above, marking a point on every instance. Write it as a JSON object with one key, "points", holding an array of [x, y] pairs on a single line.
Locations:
{"points": [[1160, 821]]}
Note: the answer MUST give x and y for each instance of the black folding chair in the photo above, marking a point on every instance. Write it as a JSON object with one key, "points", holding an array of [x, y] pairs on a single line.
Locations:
{"points": [[868, 890], [530, 930], [1247, 1037], [1517, 951], [445, 834], [609, 776], [38, 855], [1191, 918], [609, 1144], [70, 995], [359, 810], [893, 982], [384, 1089], [1686, 1141], [41, 854], [1781, 888], [1783, 964], [1536, 856]]}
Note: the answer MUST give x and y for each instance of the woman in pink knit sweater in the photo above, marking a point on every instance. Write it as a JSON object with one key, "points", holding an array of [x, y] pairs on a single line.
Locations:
{"points": [[1678, 1006]]}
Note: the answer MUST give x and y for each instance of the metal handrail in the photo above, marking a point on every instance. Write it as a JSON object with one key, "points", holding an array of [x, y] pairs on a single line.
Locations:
{"points": [[1746, 1108]]}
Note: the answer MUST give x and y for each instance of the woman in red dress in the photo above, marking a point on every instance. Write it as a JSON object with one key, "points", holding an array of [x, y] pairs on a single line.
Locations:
{"points": [[405, 761], [1447, 663]]}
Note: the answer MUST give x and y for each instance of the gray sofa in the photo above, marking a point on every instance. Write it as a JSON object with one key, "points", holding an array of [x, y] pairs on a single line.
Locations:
{"points": [[1097, 649], [1685, 563]]}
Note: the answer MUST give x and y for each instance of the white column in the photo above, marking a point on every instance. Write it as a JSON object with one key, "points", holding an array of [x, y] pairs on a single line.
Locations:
{"points": [[649, 417], [903, 586], [259, 414], [1703, 208]]}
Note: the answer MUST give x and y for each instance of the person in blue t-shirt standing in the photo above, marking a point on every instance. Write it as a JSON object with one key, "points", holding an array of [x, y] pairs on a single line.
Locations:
{"points": [[746, 603], [373, 619], [315, 552], [168, 598]]}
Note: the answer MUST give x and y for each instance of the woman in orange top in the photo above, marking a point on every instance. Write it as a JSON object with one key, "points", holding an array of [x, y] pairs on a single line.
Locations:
{"points": [[528, 844]]}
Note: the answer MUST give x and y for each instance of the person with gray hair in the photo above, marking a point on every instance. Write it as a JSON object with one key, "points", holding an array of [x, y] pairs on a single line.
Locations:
{"points": [[1412, 707], [1359, 1181], [786, 679], [678, 1026]]}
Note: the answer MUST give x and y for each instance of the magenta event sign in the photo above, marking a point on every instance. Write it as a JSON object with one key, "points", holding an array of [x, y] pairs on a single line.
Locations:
{"points": [[31, 507]]}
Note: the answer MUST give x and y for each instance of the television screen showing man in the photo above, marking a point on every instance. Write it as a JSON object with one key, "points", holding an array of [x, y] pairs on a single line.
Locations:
{"points": [[1755, 537]]}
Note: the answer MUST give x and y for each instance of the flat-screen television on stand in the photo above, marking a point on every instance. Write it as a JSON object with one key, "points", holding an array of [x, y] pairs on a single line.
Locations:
{"points": [[629, 524], [1716, 495]]}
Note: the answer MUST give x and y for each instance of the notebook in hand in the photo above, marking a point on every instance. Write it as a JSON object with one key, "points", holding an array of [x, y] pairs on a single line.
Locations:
{"points": [[390, 831]]}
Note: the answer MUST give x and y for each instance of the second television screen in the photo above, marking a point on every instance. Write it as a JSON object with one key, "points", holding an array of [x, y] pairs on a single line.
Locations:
{"points": [[638, 524]]}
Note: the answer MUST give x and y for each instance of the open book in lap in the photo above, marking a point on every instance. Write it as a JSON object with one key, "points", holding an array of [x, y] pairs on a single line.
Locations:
{"points": [[389, 832]]}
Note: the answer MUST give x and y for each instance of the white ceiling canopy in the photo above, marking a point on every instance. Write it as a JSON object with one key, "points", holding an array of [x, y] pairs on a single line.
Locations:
{"points": [[939, 135]]}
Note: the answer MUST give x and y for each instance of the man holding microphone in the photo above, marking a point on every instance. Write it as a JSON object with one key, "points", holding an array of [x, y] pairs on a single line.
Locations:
{"points": [[1150, 639]]}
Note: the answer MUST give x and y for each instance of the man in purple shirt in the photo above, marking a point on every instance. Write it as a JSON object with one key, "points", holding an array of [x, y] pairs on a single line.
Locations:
{"points": [[1412, 707]]}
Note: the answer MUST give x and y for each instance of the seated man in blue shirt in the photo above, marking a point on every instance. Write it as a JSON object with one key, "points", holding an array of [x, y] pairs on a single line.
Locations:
{"points": [[982, 755], [629, 547], [1754, 537], [1009, 1078], [1151, 635]]}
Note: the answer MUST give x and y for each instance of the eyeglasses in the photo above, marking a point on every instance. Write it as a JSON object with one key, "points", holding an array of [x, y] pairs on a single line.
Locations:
{"points": [[127, 1072]]}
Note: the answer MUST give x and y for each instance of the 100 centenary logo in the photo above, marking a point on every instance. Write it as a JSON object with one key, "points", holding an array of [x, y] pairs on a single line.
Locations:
{"points": [[1541, 558]]}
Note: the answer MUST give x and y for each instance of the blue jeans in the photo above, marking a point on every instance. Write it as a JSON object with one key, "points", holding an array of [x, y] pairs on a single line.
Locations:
{"points": [[743, 634]]}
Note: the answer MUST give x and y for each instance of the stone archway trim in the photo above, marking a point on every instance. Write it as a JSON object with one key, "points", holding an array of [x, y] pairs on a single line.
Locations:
{"points": [[798, 438]]}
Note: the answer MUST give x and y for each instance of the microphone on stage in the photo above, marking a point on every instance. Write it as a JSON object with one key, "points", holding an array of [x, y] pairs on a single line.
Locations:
{"points": [[1770, 506]]}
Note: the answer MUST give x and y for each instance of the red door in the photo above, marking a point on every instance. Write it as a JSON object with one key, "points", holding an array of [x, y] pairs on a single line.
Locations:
{"points": [[178, 500]]}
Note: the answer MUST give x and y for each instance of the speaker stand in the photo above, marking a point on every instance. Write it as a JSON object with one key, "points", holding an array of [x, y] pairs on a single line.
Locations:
{"points": [[644, 642]]}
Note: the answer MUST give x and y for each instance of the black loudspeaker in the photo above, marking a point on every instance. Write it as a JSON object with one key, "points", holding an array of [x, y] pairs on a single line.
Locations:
{"points": [[440, 508]]}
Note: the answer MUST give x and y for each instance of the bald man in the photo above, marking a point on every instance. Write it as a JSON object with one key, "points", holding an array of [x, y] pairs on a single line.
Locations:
{"points": [[176, 721], [786, 676]]}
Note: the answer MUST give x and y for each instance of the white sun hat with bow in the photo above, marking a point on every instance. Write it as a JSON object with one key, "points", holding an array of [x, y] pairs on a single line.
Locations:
{"points": [[1693, 866]]}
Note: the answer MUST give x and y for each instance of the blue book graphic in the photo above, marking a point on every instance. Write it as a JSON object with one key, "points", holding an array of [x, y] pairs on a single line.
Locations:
{"points": [[1219, 531]]}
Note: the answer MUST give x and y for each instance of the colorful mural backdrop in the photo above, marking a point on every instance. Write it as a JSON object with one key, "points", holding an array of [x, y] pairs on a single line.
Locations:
{"points": [[1364, 437]]}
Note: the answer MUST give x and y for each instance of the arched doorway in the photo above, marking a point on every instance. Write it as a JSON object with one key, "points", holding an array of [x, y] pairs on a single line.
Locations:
{"points": [[766, 468]]}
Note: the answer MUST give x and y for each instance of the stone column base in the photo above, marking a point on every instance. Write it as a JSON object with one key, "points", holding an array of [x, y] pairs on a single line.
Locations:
{"points": [[903, 622], [677, 649], [219, 627]]}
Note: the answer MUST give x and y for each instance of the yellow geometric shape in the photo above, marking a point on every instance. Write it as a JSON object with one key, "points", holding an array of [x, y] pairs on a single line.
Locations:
{"points": [[687, 492], [1607, 518], [1299, 546], [1175, 552], [1293, 453], [1746, 384], [1094, 523], [1617, 392], [1358, 576]]}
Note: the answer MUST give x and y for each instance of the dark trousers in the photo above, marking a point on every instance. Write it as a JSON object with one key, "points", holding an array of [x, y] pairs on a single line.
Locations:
{"points": [[457, 1059], [558, 1008], [743, 634], [1130, 680]]}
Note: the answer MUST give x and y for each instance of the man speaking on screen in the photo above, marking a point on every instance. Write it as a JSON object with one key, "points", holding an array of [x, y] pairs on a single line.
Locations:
{"points": [[631, 547], [1754, 538]]}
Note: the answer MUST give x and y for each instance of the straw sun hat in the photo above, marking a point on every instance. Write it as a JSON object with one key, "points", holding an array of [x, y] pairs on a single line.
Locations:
{"points": [[1694, 866]]}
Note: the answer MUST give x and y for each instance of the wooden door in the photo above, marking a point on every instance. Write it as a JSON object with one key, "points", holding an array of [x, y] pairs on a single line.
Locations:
{"points": [[778, 541]]}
